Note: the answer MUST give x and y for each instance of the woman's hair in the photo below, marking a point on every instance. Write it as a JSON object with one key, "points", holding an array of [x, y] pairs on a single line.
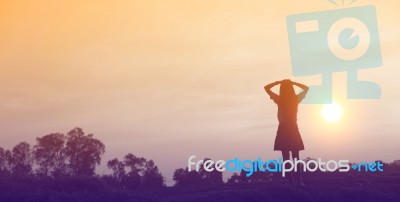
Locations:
{"points": [[287, 95], [286, 89]]}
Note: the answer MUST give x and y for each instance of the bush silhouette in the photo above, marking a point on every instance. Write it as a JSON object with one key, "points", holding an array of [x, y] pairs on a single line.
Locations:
{"points": [[135, 172], [184, 177]]}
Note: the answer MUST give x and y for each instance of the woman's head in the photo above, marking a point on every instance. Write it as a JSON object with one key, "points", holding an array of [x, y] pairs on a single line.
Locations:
{"points": [[286, 89], [288, 100]]}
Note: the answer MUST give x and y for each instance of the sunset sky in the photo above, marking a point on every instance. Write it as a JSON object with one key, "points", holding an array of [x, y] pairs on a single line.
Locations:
{"points": [[168, 79]]}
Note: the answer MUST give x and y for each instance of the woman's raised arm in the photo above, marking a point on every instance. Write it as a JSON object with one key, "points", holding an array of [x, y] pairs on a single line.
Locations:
{"points": [[302, 86], [303, 94], [271, 94]]}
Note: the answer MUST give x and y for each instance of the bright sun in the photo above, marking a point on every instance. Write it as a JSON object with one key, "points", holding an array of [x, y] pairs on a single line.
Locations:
{"points": [[332, 112]]}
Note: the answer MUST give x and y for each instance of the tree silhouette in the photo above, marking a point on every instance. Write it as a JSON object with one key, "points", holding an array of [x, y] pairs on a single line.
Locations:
{"points": [[184, 177], [235, 178], [135, 172], [83, 153], [49, 155], [152, 176], [5, 155], [181, 177], [20, 160], [118, 169], [135, 166]]}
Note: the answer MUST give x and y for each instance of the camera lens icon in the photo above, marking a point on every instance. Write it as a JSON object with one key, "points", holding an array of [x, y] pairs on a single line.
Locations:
{"points": [[348, 38]]}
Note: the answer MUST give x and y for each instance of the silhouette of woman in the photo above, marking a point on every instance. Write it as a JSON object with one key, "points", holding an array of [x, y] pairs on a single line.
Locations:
{"points": [[288, 137]]}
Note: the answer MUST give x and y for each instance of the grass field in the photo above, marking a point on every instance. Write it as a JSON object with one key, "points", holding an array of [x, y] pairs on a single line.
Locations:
{"points": [[339, 189]]}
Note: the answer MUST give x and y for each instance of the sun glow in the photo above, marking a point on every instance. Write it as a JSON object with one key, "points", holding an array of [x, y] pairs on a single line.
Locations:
{"points": [[332, 112]]}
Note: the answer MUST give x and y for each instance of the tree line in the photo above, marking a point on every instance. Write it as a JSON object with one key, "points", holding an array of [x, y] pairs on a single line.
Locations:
{"points": [[75, 155], [70, 159]]}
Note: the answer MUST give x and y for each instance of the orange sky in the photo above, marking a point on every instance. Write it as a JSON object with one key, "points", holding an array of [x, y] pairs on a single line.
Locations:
{"points": [[168, 79]]}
